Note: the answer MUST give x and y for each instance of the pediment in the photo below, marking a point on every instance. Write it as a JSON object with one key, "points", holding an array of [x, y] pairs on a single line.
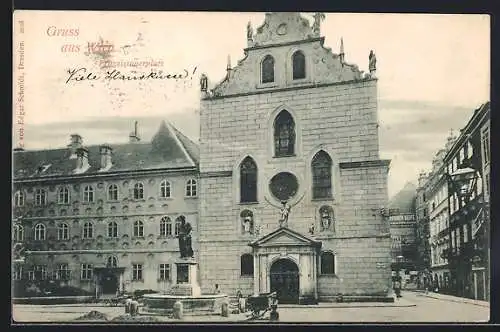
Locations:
{"points": [[284, 237]]}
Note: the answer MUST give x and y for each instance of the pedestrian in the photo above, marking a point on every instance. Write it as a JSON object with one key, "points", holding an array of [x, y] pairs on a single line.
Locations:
{"points": [[241, 302], [216, 289]]}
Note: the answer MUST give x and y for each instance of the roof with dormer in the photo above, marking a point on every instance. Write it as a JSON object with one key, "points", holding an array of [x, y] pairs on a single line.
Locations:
{"points": [[286, 30], [284, 236], [168, 149]]}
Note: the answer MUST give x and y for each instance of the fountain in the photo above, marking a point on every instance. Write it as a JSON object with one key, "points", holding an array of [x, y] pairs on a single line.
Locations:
{"points": [[186, 289]]}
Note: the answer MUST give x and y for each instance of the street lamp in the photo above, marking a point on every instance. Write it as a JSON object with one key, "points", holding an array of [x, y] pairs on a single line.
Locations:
{"points": [[463, 181]]}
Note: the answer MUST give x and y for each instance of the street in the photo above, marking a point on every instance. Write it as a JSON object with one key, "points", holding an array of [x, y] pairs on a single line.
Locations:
{"points": [[413, 307]]}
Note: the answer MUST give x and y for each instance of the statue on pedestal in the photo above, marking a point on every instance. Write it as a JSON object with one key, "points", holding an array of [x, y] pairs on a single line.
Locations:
{"points": [[249, 32], [318, 17], [185, 246], [203, 83], [372, 66], [285, 212]]}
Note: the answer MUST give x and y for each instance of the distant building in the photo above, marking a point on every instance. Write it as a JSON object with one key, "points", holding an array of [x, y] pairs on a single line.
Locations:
{"points": [[423, 260], [403, 231], [104, 218]]}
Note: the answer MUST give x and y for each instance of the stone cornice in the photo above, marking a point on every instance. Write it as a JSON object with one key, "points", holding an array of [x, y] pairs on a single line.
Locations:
{"points": [[95, 176], [365, 164], [290, 88], [216, 174], [295, 42]]}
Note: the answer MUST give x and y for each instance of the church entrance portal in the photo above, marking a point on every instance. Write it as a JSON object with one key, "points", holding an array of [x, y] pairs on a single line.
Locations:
{"points": [[285, 281]]}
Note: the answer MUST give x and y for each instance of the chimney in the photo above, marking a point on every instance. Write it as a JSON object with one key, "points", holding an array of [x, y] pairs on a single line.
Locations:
{"points": [[105, 152], [76, 143], [134, 136], [82, 161]]}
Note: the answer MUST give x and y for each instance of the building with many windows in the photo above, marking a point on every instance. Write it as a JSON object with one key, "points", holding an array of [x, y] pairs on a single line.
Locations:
{"points": [[104, 218], [403, 233], [468, 204], [293, 191]]}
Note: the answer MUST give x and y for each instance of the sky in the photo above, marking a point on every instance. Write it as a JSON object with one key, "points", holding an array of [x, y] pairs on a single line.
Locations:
{"points": [[433, 71]]}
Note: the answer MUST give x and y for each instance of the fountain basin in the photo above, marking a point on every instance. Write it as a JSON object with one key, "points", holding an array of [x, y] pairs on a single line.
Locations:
{"points": [[204, 304]]}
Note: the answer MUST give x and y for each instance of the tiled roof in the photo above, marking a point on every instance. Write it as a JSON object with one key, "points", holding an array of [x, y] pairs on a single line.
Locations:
{"points": [[168, 149]]}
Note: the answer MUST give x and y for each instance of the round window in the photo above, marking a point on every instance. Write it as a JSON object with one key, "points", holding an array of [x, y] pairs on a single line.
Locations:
{"points": [[284, 186]]}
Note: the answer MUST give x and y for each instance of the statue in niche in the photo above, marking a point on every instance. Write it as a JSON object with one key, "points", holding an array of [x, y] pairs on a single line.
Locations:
{"points": [[285, 212], [372, 66], [318, 17], [203, 83], [247, 222], [185, 246], [249, 31], [326, 215]]}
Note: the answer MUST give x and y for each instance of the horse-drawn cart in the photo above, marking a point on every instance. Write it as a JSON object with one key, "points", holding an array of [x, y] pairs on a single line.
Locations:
{"points": [[260, 304]]}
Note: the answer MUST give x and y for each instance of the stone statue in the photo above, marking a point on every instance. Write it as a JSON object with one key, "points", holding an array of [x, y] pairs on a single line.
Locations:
{"points": [[184, 236], [285, 211], [325, 221], [372, 66], [248, 224], [318, 17], [249, 31], [203, 83]]}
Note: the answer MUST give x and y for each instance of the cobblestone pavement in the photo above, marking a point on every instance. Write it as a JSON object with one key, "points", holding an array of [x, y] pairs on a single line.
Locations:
{"points": [[413, 307]]}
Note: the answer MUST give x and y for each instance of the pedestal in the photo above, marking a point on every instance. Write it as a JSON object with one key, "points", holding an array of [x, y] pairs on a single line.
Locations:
{"points": [[187, 278]]}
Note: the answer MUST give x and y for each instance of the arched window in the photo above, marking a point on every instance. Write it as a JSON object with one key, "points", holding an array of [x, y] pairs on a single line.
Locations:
{"points": [[165, 226], [63, 196], [247, 265], [113, 192], [112, 229], [18, 233], [178, 222], [88, 230], [40, 197], [88, 194], [284, 135], [299, 65], [165, 189], [248, 180], [191, 188], [138, 191], [40, 232], [322, 175], [62, 231], [327, 263], [138, 228], [267, 69], [112, 261], [19, 198]]}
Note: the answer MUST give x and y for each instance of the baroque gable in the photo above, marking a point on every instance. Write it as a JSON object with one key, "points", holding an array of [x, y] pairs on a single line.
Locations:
{"points": [[280, 36]]}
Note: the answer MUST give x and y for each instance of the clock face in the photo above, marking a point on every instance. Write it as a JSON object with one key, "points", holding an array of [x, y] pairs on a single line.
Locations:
{"points": [[282, 29]]}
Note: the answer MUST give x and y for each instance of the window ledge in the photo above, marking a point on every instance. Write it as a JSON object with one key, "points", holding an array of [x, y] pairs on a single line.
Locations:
{"points": [[249, 203], [246, 276], [329, 199], [190, 197], [285, 156], [165, 198], [267, 85], [163, 280]]}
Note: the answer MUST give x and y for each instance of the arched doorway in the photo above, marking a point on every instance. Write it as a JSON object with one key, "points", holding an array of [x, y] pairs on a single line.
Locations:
{"points": [[285, 280]]}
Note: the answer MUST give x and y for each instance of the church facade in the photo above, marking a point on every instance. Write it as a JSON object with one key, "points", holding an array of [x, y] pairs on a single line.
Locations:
{"points": [[293, 189]]}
